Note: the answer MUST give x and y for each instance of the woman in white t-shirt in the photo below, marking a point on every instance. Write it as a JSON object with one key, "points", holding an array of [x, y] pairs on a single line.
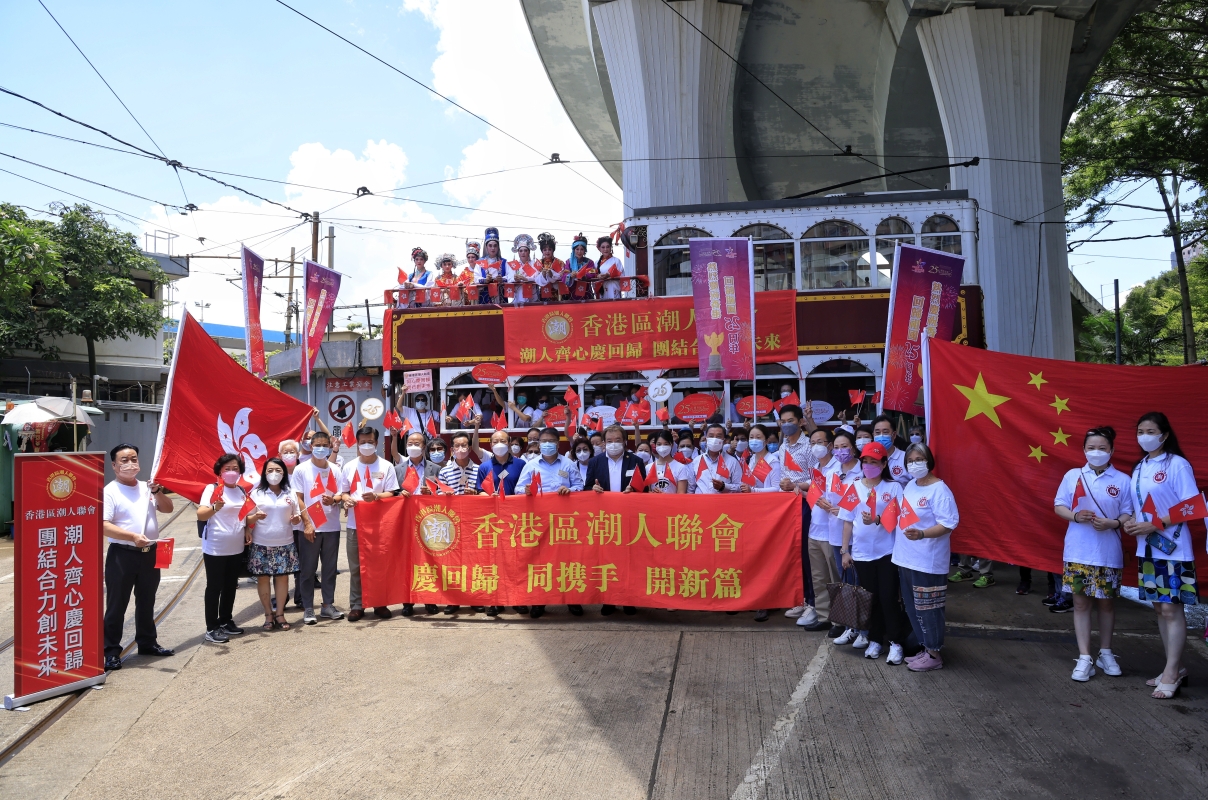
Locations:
{"points": [[1096, 502], [765, 470], [847, 469], [868, 545], [222, 545], [921, 552], [274, 555], [1161, 481], [671, 476]]}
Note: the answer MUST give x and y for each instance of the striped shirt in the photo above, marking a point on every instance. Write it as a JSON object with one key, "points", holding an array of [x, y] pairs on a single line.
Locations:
{"points": [[462, 479]]}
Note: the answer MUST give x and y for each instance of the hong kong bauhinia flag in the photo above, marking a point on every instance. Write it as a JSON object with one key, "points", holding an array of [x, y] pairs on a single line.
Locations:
{"points": [[1005, 429], [214, 406]]}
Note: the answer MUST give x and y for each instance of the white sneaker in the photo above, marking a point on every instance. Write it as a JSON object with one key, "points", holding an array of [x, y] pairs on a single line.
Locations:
{"points": [[331, 612], [861, 642], [874, 651], [1084, 669], [847, 637], [308, 617], [810, 617], [895, 653], [795, 611], [1107, 662]]}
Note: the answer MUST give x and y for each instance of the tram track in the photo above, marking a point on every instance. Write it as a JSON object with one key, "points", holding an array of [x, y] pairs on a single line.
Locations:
{"points": [[69, 701]]}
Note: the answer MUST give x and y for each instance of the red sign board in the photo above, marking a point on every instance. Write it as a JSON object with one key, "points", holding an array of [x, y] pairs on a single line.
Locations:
{"points": [[362, 384], [59, 574], [554, 417], [696, 407], [754, 406], [489, 374]]}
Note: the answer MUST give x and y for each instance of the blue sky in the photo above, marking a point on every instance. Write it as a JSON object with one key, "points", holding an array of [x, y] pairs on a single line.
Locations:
{"points": [[249, 87]]}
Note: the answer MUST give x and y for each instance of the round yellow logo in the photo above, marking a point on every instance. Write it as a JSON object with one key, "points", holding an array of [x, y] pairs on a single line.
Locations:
{"points": [[437, 529], [556, 326], [61, 484]]}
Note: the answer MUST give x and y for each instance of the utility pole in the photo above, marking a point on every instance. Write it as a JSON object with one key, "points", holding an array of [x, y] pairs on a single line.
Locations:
{"points": [[1117, 285], [314, 237], [289, 302], [331, 246]]}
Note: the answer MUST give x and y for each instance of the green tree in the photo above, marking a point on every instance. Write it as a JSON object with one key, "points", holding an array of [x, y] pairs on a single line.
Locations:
{"points": [[1143, 119], [99, 299], [29, 268]]}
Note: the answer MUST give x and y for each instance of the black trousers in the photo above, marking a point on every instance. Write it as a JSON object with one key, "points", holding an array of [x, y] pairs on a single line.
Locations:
{"points": [[222, 579], [807, 575], [888, 617], [128, 570]]}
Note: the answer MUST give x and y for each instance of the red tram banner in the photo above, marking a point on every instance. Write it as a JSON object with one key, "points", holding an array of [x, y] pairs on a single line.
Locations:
{"points": [[723, 553], [59, 587], [659, 333]]}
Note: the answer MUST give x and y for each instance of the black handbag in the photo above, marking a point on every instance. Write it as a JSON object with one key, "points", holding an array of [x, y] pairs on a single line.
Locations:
{"points": [[850, 605]]}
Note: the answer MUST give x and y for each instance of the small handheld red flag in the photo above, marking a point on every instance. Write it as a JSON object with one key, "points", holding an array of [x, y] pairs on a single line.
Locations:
{"points": [[856, 396], [908, 517], [405, 426], [791, 400], [818, 478], [432, 432], [872, 501], [663, 415], [1079, 493], [836, 484], [722, 472], [349, 436], [701, 467], [356, 481], [163, 553], [497, 421], [850, 499], [682, 458], [534, 487], [748, 477], [411, 482], [317, 515], [876, 397], [789, 463], [814, 493], [438, 487], [488, 483], [762, 470], [638, 481], [1189, 509], [889, 517], [1152, 510]]}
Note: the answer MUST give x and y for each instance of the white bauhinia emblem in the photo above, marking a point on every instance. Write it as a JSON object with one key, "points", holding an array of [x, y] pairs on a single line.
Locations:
{"points": [[239, 441]]}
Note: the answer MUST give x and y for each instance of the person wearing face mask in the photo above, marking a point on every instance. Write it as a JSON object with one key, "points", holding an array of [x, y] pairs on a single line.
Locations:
{"points": [[131, 527], [551, 473], [317, 484], [467, 407], [597, 443], [670, 474], [413, 470], [798, 462], [304, 445], [764, 469], [863, 439], [921, 551], [582, 454], [532, 451], [1096, 502], [525, 414], [274, 555], [1166, 559], [816, 542], [869, 547], [421, 418], [504, 466], [367, 479], [847, 470], [289, 452], [773, 442], [222, 543], [882, 434], [612, 472], [714, 471], [687, 449], [917, 435], [438, 454]]}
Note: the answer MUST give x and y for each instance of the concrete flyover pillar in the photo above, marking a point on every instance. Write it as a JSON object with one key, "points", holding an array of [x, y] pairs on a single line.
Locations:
{"points": [[999, 82], [672, 92]]}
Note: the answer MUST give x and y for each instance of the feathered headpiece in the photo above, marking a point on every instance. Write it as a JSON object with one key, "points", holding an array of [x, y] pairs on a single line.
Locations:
{"points": [[473, 247], [547, 239], [419, 252], [523, 240]]}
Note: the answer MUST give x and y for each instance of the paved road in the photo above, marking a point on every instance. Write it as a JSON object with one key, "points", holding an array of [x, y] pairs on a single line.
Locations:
{"points": [[662, 705]]}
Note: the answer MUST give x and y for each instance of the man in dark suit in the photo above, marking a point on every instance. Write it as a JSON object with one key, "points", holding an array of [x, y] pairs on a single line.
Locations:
{"points": [[611, 471]]}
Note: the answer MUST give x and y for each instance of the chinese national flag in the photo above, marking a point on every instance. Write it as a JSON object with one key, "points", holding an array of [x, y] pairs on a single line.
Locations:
{"points": [[662, 414], [1150, 508], [762, 470], [411, 482], [497, 421], [856, 396], [534, 487], [349, 435], [1189, 509], [890, 516], [317, 515], [872, 502], [247, 416], [163, 553], [682, 458], [908, 517], [432, 432], [789, 463], [1008, 427], [488, 483], [638, 480], [1079, 493], [247, 507], [814, 494], [439, 487], [850, 499]]}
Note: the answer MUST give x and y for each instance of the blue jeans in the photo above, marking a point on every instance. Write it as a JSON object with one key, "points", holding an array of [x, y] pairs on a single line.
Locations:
{"points": [[924, 595]]}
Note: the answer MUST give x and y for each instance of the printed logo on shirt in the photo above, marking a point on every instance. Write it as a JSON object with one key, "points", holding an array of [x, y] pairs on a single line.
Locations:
{"points": [[437, 528], [886, 497], [556, 326], [1159, 477], [1114, 491], [922, 503], [896, 470]]}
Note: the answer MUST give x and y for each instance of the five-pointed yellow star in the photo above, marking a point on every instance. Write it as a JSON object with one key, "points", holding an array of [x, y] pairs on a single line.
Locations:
{"points": [[1037, 380], [981, 401], [1060, 404], [1036, 453], [1060, 437]]}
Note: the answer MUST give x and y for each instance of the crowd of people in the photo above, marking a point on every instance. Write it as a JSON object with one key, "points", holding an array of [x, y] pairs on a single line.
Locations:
{"points": [[534, 275], [905, 568]]}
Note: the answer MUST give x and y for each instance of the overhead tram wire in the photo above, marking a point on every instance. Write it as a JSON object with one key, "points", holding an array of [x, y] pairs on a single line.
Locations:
{"points": [[94, 183], [446, 98]]}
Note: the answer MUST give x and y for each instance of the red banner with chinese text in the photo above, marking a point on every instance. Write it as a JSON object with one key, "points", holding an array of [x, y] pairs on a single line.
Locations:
{"points": [[59, 574], [728, 553], [649, 334]]}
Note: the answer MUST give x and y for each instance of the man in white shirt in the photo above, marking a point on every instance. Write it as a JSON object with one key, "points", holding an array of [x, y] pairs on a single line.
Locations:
{"points": [[318, 485], [715, 471], [422, 417], [132, 529], [882, 433], [797, 464], [366, 479], [550, 473]]}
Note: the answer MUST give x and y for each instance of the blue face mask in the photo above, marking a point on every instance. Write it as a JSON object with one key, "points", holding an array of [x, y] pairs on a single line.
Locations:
{"points": [[549, 448], [773, 447], [322, 452], [884, 441], [543, 406]]}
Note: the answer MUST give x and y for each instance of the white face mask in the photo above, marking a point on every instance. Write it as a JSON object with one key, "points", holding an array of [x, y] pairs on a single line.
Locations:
{"points": [[614, 449], [756, 445], [784, 394], [421, 405], [290, 459], [414, 451], [917, 469], [1097, 458], [583, 455], [1149, 441], [642, 454], [663, 450], [322, 452], [741, 446], [861, 442], [274, 478], [916, 439], [819, 451], [367, 449], [714, 444], [515, 449], [500, 449], [595, 448]]}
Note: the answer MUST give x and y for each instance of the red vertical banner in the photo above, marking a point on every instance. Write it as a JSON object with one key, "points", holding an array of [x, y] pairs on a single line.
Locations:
{"points": [[924, 297], [59, 586], [253, 334], [723, 296], [322, 287]]}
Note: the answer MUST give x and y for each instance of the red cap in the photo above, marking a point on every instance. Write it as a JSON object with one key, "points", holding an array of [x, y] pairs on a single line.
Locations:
{"points": [[874, 450]]}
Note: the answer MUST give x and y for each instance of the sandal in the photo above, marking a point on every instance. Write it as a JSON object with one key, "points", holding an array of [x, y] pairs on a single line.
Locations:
{"points": [[1166, 691], [268, 623], [283, 625], [1182, 678]]}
